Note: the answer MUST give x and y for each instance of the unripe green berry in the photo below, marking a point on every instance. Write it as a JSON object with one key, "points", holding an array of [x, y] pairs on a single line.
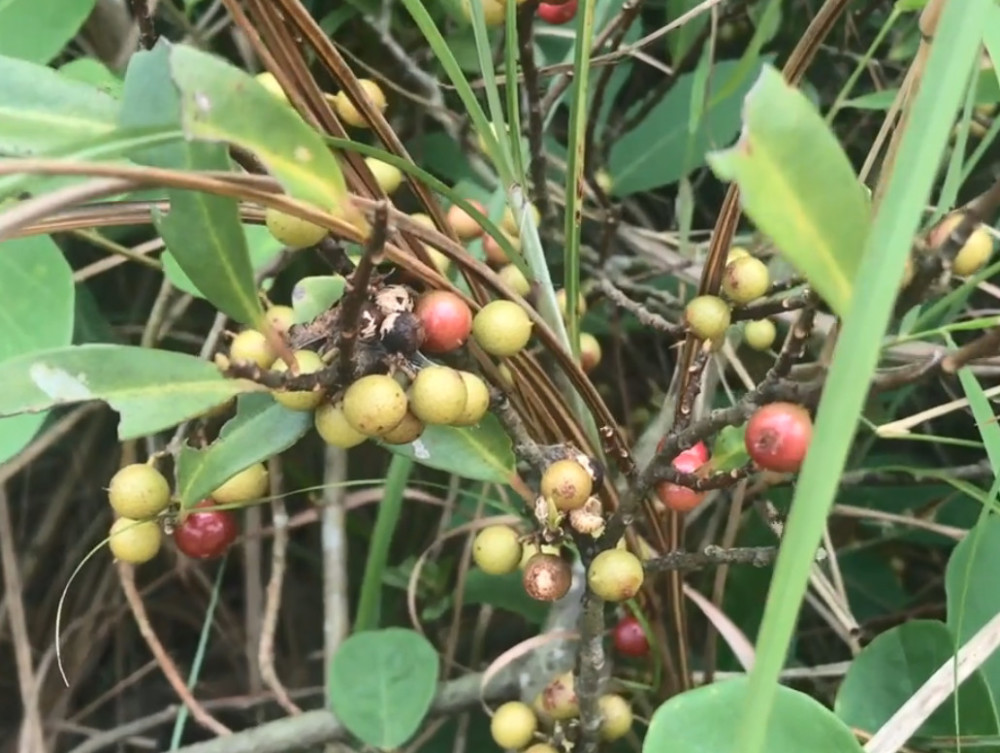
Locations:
{"points": [[308, 362], [707, 316], [736, 252], [760, 334], [333, 428], [281, 318], [615, 575], [559, 701], [581, 303], [746, 279], [515, 279], [616, 717], [477, 400], [513, 725], [247, 485], [139, 491], [134, 541], [406, 431], [389, 177], [497, 550], [251, 346], [293, 231], [438, 395], [974, 254], [567, 484], [375, 404], [502, 328]]}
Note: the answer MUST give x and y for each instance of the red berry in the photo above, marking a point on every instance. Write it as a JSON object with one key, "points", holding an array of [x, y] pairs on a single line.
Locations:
{"points": [[778, 436], [699, 451], [447, 321], [680, 498], [557, 13], [206, 535], [630, 640]]}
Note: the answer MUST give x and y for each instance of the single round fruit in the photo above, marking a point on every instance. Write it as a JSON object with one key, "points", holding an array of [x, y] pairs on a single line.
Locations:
{"points": [[292, 231], [974, 254], [333, 428], [778, 437], [375, 404], [615, 575], [138, 491], [514, 278], [541, 748], [495, 254], [497, 550], [567, 484], [502, 328], [629, 637], [389, 177], [422, 218], [746, 279], [558, 701], [510, 223], [465, 226], [604, 181], [680, 498], [438, 395], [134, 541], [281, 318], [247, 485], [590, 352], [406, 431], [439, 259], [616, 717], [447, 321], [251, 346], [736, 252], [308, 362], [269, 82], [557, 14], [581, 302], [513, 725], [529, 550], [206, 534], [699, 451], [477, 400], [350, 114], [707, 316], [760, 334], [547, 577]]}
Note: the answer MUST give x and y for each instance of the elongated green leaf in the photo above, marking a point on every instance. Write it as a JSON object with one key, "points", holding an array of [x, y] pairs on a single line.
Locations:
{"points": [[151, 389], [815, 210], [37, 295], [659, 150], [480, 452], [42, 110], [38, 29], [94, 72], [260, 429], [691, 723], [382, 684], [311, 296], [894, 666], [219, 102]]}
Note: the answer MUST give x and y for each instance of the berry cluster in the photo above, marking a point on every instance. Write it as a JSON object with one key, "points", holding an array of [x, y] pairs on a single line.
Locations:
{"points": [[140, 496]]}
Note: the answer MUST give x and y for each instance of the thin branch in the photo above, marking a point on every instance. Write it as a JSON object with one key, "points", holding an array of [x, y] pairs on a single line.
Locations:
{"points": [[144, 19], [710, 556]]}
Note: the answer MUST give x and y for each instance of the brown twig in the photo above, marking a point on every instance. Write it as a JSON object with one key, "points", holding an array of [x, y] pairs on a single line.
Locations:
{"points": [[987, 344], [710, 556], [536, 145], [144, 19]]}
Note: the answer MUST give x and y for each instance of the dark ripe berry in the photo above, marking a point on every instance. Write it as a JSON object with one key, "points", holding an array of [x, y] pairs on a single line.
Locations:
{"points": [[680, 498], [447, 321], [557, 14], [206, 534], [402, 333], [547, 577], [778, 437], [629, 638]]}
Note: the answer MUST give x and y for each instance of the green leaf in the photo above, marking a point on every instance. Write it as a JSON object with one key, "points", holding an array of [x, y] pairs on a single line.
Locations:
{"points": [[729, 450], [36, 288], [680, 40], [815, 210], [219, 102], [894, 666], [690, 723], [382, 684], [37, 30], [311, 296], [151, 389], [260, 429], [481, 452], [42, 110], [202, 231], [504, 592], [94, 72], [659, 150]]}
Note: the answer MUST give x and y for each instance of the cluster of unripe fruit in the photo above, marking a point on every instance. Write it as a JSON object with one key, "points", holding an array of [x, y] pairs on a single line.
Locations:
{"points": [[141, 498], [517, 725], [745, 280]]}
